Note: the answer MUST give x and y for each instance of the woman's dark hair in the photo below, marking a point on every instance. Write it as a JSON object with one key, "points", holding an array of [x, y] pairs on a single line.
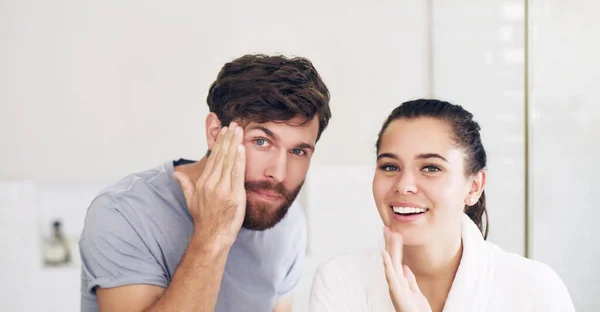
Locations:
{"points": [[465, 133]]}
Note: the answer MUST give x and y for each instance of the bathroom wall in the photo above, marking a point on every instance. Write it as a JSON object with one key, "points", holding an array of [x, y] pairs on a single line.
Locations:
{"points": [[565, 126], [92, 91]]}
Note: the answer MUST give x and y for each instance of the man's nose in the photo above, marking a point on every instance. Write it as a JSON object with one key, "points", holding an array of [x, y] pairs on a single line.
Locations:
{"points": [[277, 168]]}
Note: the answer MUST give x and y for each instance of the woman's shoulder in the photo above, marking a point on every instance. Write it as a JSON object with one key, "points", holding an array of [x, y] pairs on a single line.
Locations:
{"points": [[352, 266], [350, 282], [527, 270], [536, 279]]}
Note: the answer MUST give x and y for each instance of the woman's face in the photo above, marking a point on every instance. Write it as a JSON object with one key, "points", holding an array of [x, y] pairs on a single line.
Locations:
{"points": [[420, 185]]}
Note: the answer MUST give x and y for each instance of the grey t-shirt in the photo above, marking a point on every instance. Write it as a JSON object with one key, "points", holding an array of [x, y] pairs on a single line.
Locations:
{"points": [[137, 230]]}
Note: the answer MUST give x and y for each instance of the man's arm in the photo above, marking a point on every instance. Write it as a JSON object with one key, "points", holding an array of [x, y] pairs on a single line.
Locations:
{"points": [[195, 285], [217, 203]]}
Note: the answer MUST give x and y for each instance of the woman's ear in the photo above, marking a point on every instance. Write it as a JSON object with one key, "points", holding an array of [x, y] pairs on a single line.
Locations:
{"points": [[478, 182], [213, 126]]}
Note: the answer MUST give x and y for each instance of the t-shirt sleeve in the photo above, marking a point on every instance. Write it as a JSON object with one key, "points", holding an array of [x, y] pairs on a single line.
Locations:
{"points": [[295, 271], [112, 248]]}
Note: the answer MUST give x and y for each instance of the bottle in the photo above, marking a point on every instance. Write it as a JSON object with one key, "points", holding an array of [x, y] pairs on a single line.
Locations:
{"points": [[56, 251]]}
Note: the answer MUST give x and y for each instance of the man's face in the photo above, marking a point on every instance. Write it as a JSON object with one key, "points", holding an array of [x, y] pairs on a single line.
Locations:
{"points": [[277, 158]]}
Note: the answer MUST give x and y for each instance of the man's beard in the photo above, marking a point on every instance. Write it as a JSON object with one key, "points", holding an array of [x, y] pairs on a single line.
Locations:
{"points": [[262, 215]]}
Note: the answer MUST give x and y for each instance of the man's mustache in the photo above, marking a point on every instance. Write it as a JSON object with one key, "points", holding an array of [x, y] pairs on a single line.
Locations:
{"points": [[266, 185]]}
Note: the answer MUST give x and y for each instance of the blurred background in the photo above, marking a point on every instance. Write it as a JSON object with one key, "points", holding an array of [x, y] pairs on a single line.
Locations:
{"points": [[93, 90]]}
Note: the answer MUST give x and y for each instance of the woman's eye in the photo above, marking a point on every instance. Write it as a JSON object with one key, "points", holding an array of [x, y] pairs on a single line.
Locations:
{"points": [[389, 168], [431, 169]]}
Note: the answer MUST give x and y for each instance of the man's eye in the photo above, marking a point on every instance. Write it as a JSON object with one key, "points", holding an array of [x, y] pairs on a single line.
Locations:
{"points": [[261, 142], [299, 152]]}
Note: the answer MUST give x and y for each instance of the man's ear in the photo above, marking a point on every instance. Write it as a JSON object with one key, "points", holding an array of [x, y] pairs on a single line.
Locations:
{"points": [[213, 126]]}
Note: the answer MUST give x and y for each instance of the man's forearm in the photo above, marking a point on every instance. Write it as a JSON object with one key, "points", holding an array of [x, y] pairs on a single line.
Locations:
{"points": [[197, 280]]}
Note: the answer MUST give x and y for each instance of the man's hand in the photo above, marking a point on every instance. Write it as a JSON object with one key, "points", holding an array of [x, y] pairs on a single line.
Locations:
{"points": [[283, 305], [402, 283], [217, 201]]}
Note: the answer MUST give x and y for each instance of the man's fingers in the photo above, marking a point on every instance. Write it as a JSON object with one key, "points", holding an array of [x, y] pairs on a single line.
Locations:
{"points": [[211, 159], [221, 155], [186, 185], [230, 159], [394, 245], [239, 169], [412, 280]]}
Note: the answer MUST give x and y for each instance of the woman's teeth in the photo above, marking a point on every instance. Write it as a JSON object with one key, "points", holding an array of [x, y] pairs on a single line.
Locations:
{"points": [[408, 210]]}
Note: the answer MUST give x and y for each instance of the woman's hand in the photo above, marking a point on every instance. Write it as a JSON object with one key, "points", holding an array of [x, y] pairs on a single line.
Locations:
{"points": [[404, 291]]}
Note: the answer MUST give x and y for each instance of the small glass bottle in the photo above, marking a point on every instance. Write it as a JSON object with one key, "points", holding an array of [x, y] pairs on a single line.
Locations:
{"points": [[56, 251]]}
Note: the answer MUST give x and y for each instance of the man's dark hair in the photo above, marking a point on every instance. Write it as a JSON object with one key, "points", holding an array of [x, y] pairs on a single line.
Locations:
{"points": [[263, 88]]}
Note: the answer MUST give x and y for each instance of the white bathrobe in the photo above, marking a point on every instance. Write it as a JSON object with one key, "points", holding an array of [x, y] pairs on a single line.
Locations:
{"points": [[488, 279]]}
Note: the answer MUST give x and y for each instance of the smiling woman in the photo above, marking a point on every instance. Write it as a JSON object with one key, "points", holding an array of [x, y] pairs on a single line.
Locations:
{"points": [[429, 190], [430, 156]]}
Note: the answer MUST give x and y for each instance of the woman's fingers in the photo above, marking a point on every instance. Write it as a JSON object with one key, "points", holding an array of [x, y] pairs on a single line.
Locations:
{"points": [[412, 280], [390, 273], [393, 245]]}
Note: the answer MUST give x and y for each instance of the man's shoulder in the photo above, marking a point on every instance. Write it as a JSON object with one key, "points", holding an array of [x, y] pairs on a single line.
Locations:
{"points": [[291, 230], [141, 181], [295, 219], [139, 185], [287, 239], [135, 197]]}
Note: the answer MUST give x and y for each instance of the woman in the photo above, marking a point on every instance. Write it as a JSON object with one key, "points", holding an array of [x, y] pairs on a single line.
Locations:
{"points": [[429, 191]]}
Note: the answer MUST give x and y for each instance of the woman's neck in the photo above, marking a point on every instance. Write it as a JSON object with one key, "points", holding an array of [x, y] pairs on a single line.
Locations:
{"points": [[435, 266], [436, 259]]}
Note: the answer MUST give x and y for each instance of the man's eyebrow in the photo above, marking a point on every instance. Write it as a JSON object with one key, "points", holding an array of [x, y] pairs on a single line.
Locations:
{"points": [[306, 146], [268, 132], [275, 137]]}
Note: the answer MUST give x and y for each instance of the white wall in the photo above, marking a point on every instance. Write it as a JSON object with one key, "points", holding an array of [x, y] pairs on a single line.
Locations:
{"points": [[564, 75], [478, 62], [27, 284], [97, 89], [91, 91]]}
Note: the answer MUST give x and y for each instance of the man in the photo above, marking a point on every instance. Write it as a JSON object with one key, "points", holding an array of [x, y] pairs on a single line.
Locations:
{"points": [[216, 234]]}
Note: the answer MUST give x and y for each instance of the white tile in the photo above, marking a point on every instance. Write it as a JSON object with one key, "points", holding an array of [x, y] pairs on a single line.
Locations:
{"points": [[566, 144], [342, 215], [67, 202], [485, 76]]}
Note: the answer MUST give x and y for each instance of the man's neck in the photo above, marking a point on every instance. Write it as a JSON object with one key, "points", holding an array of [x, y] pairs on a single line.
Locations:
{"points": [[193, 170]]}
